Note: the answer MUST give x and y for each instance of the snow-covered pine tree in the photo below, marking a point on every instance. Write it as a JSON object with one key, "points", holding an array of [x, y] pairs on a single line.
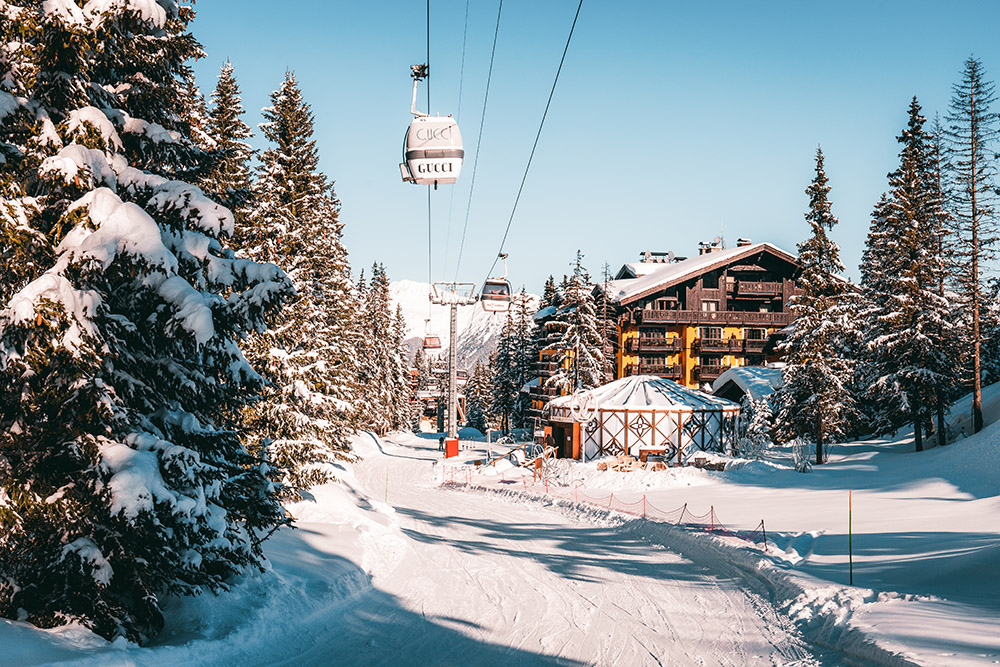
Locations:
{"points": [[477, 398], [119, 482], [907, 336], [815, 400], [402, 394], [576, 341], [754, 435], [525, 356], [195, 113], [882, 409], [379, 353], [607, 325], [503, 365], [972, 130], [307, 355], [229, 179], [550, 294]]}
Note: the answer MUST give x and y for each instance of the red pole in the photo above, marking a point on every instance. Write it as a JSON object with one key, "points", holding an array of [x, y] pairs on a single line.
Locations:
{"points": [[711, 515], [764, 531], [611, 499]]}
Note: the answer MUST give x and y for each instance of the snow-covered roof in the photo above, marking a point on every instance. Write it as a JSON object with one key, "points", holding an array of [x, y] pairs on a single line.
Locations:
{"points": [[665, 275], [547, 311], [642, 392], [758, 381], [639, 269]]}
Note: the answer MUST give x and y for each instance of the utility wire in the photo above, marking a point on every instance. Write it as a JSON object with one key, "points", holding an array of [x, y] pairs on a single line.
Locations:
{"points": [[458, 116], [537, 136], [479, 142], [429, 261]]}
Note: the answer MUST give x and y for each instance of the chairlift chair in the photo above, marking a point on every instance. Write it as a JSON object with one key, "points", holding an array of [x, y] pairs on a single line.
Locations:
{"points": [[432, 147]]}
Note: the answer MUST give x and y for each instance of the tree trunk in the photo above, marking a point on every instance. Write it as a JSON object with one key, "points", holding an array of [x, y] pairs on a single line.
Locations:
{"points": [[942, 441], [819, 439], [918, 434]]}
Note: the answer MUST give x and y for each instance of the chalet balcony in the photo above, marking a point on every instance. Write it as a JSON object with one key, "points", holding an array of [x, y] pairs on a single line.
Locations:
{"points": [[546, 367], [653, 344], [755, 346], [669, 371], [751, 289], [717, 318], [707, 372], [718, 346], [543, 394]]}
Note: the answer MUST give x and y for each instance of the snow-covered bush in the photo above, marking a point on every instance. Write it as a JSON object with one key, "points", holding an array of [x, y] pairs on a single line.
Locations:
{"points": [[754, 435], [802, 454]]}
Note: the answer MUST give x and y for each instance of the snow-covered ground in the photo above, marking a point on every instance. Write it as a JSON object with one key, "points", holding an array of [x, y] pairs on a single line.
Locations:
{"points": [[387, 566]]}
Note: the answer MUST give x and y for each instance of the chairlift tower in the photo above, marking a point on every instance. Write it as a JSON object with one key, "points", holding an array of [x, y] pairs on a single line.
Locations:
{"points": [[454, 295]]}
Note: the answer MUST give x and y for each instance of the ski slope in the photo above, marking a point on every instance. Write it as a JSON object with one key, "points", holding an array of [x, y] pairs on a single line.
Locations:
{"points": [[388, 567], [443, 576]]}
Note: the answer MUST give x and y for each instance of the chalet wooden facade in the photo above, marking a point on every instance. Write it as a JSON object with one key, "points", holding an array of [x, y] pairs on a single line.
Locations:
{"points": [[690, 320]]}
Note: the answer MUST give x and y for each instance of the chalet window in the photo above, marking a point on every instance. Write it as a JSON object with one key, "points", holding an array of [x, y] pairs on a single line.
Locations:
{"points": [[753, 333], [713, 333], [710, 306], [710, 280]]}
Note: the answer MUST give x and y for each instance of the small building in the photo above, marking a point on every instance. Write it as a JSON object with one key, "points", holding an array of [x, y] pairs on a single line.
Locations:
{"points": [[645, 414], [757, 381]]}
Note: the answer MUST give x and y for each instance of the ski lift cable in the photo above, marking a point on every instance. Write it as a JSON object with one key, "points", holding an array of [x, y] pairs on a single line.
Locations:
{"points": [[458, 116], [429, 256], [479, 142], [537, 137]]}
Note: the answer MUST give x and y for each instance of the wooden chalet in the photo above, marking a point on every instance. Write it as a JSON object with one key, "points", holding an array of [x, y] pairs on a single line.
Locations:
{"points": [[689, 320]]}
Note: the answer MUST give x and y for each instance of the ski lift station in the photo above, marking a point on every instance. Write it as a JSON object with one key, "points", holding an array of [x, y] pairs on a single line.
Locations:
{"points": [[641, 415]]}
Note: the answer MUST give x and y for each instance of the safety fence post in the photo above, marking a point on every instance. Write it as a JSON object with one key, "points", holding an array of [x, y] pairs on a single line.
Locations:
{"points": [[711, 519], [764, 533], [546, 487], [644, 506], [611, 499]]}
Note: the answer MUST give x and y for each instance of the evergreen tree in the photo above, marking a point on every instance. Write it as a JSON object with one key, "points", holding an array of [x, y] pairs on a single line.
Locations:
{"points": [[906, 337], [503, 364], [118, 354], [525, 357], [478, 392], [383, 372], [229, 179], [195, 113], [308, 354], [972, 129], [815, 399], [576, 341], [550, 294]]}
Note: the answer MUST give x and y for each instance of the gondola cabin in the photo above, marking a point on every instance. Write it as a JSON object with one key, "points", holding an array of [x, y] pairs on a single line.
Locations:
{"points": [[432, 342], [495, 297], [432, 151]]}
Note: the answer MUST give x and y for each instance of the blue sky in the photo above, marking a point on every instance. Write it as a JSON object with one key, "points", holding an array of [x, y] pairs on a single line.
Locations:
{"points": [[672, 123]]}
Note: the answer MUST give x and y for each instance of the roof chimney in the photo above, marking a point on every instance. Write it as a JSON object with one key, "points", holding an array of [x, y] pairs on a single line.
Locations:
{"points": [[743, 242]]}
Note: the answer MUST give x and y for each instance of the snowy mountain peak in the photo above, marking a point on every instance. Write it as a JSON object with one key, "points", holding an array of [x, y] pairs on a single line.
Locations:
{"points": [[478, 331]]}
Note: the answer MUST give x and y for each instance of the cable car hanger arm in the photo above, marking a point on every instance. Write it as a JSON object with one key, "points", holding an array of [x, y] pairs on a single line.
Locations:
{"points": [[419, 73]]}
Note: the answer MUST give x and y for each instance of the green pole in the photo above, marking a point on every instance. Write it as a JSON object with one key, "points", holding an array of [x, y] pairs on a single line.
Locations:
{"points": [[850, 538]]}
